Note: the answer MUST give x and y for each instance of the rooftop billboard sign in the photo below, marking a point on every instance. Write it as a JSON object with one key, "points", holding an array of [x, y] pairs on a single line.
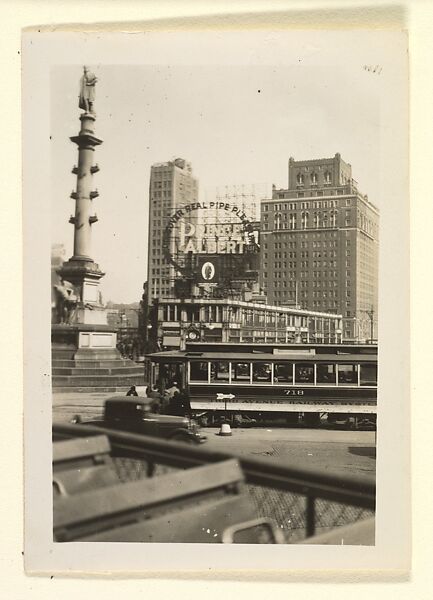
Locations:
{"points": [[189, 233]]}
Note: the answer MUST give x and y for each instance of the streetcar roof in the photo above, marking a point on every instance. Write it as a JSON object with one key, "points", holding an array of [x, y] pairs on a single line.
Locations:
{"points": [[183, 356]]}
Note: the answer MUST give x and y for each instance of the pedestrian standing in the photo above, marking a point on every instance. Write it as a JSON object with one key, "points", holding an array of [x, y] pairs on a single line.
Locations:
{"points": [[175, 405], [156, 399], [172, 390], [185, 403]]}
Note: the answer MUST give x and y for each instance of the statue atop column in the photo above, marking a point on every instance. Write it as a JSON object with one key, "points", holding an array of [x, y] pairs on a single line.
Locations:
{"points": [[87, 91]]}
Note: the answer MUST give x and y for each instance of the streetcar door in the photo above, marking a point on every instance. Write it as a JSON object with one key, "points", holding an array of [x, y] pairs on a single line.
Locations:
{"points": [[170, 372]]}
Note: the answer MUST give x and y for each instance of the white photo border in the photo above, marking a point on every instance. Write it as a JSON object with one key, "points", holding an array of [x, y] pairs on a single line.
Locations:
{"points": [[392, 550]]}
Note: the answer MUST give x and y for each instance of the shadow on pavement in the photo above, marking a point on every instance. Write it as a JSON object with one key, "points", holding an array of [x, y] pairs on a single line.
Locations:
{"points": [[369, 451]]}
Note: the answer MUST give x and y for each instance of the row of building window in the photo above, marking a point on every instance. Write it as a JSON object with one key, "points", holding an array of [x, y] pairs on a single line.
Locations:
{"points": [[278, 255], [314, 179], [302, 264], [285, 255], [315, 294], [328, 305], [307, 274], [158, 184], [291, 283], [167, 212], [338, 191], [277, 207], [318, 217], [314, 192], [320, 238], [292, 224], [161, 194]]}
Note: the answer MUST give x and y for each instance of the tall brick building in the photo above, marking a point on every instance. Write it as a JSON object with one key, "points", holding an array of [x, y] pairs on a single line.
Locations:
{"points": [[172, 185], [320, 245]]}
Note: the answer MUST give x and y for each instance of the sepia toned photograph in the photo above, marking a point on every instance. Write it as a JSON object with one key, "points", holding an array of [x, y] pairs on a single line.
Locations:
{"points": [[213, 232]]}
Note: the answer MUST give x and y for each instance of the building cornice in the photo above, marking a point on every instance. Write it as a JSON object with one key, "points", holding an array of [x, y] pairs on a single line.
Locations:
{"points": [[321, 198]]}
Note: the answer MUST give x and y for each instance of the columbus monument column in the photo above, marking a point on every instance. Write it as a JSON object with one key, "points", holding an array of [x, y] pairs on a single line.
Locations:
{"points": [[84, 353], [81, 270]]}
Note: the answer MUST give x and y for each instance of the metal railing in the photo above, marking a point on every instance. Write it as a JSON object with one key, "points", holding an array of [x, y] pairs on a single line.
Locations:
{"points": [[299, 499]]}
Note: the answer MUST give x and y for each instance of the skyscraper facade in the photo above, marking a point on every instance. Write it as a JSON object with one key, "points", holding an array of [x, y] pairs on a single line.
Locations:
{"points": [[172, 185], [319, 246]]}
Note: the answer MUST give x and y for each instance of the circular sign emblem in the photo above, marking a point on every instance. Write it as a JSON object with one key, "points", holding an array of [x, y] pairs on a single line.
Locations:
{"points": [[208, 271]]}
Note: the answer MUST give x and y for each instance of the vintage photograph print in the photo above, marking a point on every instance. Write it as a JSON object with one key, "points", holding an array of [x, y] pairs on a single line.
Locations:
{"points": [[215, 213]]}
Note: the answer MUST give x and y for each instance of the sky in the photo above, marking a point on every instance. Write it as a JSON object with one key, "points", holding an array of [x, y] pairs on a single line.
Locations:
{"points": [[236, 124]]}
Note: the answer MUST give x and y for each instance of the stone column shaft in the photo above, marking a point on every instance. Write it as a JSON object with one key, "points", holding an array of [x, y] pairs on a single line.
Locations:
{"points": [[82, 229], [86, 142]]}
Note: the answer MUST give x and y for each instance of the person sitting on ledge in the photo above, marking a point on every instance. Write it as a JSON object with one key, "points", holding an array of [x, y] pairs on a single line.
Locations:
{"points": [[132, 391]]}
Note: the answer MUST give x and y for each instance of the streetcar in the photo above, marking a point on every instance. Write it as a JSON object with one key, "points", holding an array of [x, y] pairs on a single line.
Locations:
{"points": [[300, 383]]}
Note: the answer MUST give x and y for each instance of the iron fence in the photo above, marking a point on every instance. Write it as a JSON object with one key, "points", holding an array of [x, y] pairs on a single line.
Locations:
{"points": [[303, 502]]}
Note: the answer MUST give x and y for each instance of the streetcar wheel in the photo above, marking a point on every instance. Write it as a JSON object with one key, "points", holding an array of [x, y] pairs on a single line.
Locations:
{"points": [[236, 420], [312, 419], [292, 418], [204, 421]]}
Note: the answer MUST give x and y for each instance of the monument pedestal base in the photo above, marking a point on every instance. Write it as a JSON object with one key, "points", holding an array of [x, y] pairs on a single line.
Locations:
{"points": [[91, 316], [85, 358]]}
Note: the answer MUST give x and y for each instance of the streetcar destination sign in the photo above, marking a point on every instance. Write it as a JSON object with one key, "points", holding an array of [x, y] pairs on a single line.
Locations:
{"points": [[225, 396]]}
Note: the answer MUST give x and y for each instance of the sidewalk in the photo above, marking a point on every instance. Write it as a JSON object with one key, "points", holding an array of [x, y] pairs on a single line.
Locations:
{"points": [[85, 398]]}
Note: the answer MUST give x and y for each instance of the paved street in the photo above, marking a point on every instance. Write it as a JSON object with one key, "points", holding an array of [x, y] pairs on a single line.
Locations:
{"points": [[347, 452]]}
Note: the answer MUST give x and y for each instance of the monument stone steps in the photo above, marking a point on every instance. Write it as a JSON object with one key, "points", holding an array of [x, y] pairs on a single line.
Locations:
{"points": [[94, 364], [88, 389], [96, 370], [63, 354], [74, 381]]}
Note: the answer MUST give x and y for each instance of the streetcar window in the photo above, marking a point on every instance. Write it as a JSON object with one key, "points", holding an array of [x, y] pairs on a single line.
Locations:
{"points": [[368, 375], [219, 371], [241, 372], [304, 373], [347, 374], [261, 371], [283, 372], [198, 371], [326, 373]]}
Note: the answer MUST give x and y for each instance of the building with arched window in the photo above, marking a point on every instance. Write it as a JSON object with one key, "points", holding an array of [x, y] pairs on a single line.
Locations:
{"points": [[327, 258], [177, 321]]}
